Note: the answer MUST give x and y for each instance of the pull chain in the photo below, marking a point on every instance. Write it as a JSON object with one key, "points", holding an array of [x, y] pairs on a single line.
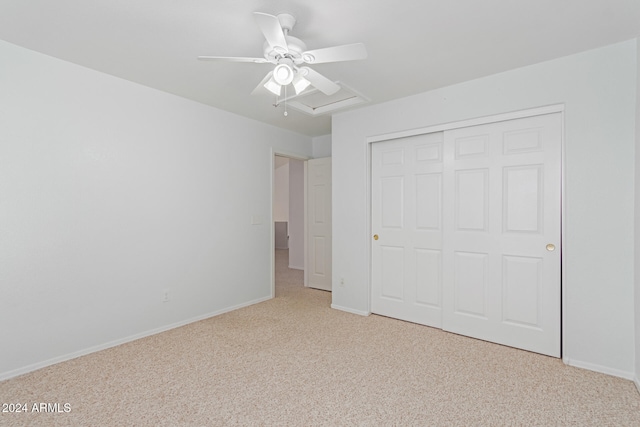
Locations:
{"points": [[285, 102]]}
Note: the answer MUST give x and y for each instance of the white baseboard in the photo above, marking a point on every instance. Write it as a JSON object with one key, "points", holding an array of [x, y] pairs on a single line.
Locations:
{"points": [[602, 369], [99, 347], [350, 310], [295, 267], [637, 383]]}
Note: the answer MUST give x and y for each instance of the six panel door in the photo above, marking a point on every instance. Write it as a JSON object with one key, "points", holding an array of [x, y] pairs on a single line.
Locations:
{"points": [[470, 243], [319, 223], [407, 217]]}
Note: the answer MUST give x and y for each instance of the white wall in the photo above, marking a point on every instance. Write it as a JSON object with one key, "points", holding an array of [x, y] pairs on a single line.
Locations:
{"points": [[321, 146], [111, 192], [598, 90], [281, 193], [296, 214]]}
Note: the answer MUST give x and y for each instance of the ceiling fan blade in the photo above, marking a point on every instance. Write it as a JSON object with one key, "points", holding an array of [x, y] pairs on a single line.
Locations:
{"points": [[272, 30], [320, 82], [232, 59], [347, 52], [260, 88]]}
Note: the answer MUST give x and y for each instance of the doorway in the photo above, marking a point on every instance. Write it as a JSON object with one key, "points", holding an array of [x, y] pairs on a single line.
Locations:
{"points": [[288, 210], [301, 211]]}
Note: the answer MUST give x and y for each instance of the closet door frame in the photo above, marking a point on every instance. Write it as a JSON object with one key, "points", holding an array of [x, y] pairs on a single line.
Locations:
{"points": [[559, 108]]}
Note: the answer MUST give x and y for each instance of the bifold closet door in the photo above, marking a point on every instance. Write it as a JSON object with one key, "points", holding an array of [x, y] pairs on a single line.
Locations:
{"points": [[468, 231]]}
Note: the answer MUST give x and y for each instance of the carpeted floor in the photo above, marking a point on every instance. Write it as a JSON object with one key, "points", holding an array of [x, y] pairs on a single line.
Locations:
{"points": [[293, 361]]}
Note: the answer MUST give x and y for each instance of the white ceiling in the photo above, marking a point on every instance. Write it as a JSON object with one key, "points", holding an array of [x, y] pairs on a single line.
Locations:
{"points": [[413, 45]]}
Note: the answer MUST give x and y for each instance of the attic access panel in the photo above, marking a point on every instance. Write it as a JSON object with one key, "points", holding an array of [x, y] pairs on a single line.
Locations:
{"points": [[316, 103]]}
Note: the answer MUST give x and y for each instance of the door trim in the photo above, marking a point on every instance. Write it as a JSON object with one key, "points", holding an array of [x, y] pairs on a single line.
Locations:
{"points": [[519, 114]]}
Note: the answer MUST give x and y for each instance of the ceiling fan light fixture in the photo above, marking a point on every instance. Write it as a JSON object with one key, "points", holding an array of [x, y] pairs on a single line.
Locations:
{"points": [[300, 83], [273, 87], [283, 74]]}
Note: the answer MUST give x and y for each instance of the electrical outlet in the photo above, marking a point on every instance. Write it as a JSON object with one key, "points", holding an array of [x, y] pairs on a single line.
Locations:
{"points": [[342, 282], [165, 295]]}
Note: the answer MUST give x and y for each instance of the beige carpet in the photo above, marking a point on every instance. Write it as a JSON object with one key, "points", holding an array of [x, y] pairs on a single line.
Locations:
{"points": [[293, 361]]}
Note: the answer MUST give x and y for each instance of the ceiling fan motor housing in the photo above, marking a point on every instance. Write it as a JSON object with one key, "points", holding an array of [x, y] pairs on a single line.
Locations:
{"points": [[295, 47]]}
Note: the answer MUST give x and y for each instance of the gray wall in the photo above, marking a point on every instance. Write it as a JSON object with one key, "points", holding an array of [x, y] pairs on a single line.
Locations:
{"points": [[321, 146]]}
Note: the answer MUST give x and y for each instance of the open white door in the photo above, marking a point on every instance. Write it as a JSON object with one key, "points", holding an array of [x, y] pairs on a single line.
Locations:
{"points": [[319, 223]]}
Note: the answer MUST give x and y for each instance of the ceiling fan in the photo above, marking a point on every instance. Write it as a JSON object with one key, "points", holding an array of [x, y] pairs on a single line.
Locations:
{"points": [[290, 57]]}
